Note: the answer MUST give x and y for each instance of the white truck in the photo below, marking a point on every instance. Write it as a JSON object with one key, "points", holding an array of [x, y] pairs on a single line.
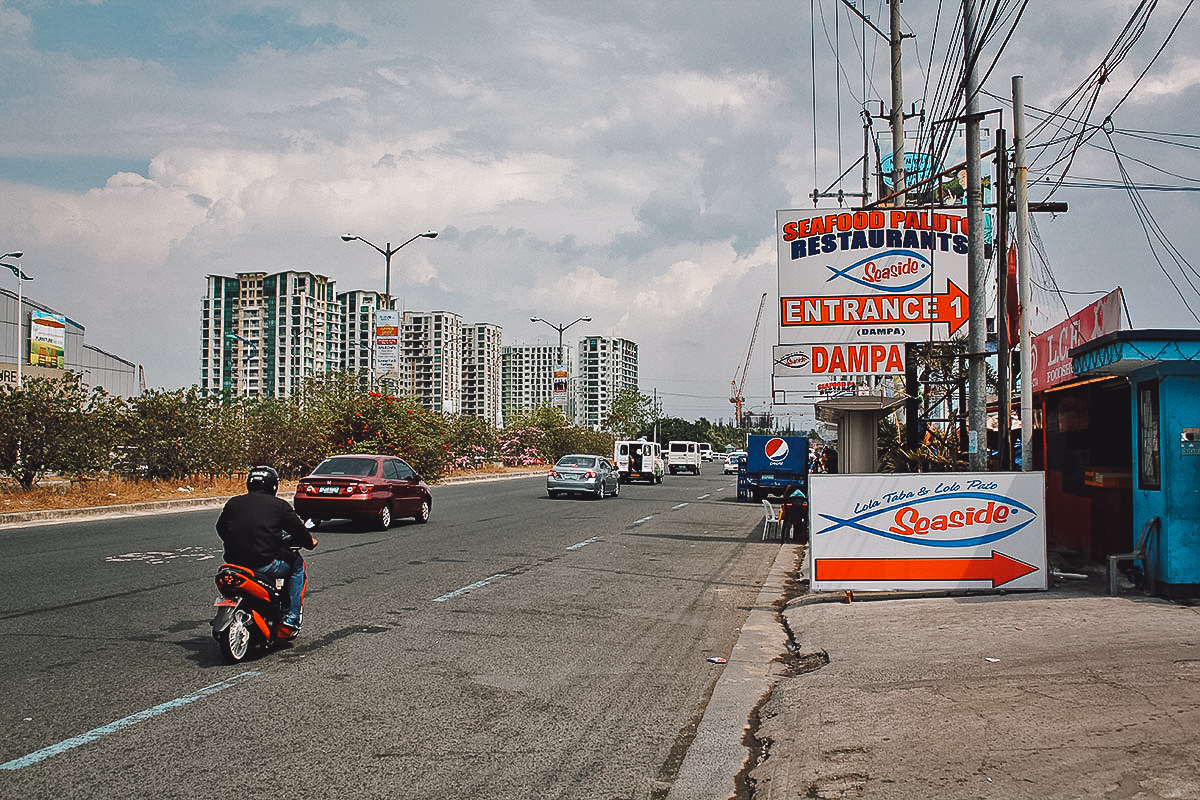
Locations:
{"points": [[638, 461], [683, 457]]}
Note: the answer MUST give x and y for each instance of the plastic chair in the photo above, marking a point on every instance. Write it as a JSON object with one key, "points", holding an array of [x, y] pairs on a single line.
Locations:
{"points": [[770, 521]]}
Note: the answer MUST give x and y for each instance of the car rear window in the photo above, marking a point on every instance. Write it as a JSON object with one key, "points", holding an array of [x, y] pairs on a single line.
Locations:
{"points": [[569, 461], [346, 466]]}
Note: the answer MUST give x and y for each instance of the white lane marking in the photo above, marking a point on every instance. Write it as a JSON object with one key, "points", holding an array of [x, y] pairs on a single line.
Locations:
{"points": [[113, 727], [584, 543], [465, 589], [643, 519], [676, 508], [702, 497]]}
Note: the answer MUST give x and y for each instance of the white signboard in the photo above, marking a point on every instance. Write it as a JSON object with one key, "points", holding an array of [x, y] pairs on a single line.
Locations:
{"points": [[824, 360], [387, 341], [945, 530], [888, 275]]}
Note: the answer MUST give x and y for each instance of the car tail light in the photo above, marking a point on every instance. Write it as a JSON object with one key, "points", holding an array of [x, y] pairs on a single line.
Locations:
{"points": [[361, 488], [590, 474]]}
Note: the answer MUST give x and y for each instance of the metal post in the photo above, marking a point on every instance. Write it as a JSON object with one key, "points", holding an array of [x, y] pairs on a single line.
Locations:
{"points": [[1024, 271]]}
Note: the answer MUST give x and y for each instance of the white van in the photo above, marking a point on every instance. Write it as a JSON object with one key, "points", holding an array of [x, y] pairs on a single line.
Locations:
{"points": [[638, 461], [683, 457], [706, 451]]}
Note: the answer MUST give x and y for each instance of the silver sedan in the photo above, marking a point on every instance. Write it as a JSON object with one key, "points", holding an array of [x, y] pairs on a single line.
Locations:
{"points": [[583, 474]]}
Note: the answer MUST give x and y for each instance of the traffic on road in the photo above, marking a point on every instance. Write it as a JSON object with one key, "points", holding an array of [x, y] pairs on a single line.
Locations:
{"points": [[514, 646]]}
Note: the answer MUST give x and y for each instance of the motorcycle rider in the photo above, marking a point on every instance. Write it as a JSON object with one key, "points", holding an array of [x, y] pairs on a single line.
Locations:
{"points": [[257, 528]]}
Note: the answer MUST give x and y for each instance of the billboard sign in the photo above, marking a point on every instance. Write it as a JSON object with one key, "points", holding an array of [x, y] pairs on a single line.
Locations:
{"points": [[387, 341], [864, 277], [560, 382], [825, 360], [47, 340], [962, 530], [1051, 362]]}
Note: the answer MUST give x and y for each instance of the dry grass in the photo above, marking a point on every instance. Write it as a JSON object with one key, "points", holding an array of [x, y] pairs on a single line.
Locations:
{"points": [[115, 491]]}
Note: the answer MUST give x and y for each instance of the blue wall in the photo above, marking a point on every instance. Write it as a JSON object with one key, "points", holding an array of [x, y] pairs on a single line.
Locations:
{"points": [[1176, 553]]}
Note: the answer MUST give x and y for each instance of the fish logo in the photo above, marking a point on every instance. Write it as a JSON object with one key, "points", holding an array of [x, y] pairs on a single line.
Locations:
{"points": [[957, 519], [892, 271], [797, 359]]}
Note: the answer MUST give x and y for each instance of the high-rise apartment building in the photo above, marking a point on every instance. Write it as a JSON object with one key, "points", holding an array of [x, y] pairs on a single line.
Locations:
{"points": [[262, 335], [481, 371], [357, 347], [431, 347], [606, 366], [527, 378]]}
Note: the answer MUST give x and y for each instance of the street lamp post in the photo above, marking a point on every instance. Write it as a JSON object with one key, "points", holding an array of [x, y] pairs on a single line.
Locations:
{"points": [[21, 278], [253, 355], [561, 329], [388, 251]]}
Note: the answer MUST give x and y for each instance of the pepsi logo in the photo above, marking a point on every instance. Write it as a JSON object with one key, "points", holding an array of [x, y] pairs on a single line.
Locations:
{"points": [[776, 449]]}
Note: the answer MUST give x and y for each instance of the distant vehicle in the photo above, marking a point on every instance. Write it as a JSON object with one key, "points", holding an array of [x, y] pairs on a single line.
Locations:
{"points": [[583, 474], [731, 463], [639, 461], [684, 457], [372, 488], [706, 451]]}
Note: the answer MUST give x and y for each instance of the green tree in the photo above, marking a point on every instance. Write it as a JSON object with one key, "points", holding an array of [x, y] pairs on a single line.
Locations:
{"points": [[630, 414], [54, 425], [396, 426], [169, 435]]}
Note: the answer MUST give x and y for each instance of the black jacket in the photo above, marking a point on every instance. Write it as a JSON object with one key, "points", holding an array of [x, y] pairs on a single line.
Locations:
{"points": [[253, 525]]}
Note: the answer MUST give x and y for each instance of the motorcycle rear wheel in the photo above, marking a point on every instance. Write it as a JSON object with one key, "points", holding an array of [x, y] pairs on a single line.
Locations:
{"points": [[235, 640]]}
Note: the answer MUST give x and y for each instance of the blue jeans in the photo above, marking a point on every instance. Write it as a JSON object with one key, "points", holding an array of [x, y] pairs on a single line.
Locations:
{"points": [[290, 567]]}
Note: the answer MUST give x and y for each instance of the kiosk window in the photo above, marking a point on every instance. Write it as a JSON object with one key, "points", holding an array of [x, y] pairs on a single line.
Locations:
{"points": [[1148, 438]]}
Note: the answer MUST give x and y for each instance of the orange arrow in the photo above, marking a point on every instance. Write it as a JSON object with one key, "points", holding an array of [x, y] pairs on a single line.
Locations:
{"points": [[951, 307], [999, 569]]}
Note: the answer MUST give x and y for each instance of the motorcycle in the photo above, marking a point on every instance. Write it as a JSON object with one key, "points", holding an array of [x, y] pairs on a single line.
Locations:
{"points": [[249, 612]]}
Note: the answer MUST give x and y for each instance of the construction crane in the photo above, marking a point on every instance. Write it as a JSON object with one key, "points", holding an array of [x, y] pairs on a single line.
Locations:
{"points": [[735, 386]]}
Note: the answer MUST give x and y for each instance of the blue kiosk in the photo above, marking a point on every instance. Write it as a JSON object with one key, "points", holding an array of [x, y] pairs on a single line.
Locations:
{"points": [[1163, 370]]}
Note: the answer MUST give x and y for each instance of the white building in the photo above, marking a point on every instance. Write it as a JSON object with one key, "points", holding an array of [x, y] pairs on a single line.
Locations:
{"points": [[431, 347], [606, 366], [111, 373], [262, 335], [481, 379], [527, 378]]}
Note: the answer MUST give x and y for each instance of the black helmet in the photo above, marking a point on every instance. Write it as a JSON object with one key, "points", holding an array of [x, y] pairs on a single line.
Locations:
{"points": [[262, 479]]}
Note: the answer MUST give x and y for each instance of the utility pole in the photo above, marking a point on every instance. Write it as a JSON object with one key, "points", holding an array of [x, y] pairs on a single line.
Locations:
{"points": [[1023, 270], [1003, 345], [898, 178], [977, 324]]}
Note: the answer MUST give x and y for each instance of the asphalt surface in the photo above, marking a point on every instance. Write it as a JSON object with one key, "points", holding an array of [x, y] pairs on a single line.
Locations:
{"points": [[1067, 693]]}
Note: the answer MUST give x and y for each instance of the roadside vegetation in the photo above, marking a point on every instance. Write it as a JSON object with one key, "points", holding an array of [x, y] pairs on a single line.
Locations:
{"points": [[63, 444]]}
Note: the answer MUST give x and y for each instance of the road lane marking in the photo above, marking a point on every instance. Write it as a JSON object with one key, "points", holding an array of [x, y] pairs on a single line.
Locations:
{"points": [[703, 497], [643, 519], [465, 589], [676, 508], [113, 727], [584, 543]]}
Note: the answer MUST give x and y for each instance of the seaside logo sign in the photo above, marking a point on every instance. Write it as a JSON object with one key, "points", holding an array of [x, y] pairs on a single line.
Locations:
{"points": [[929, 531]]}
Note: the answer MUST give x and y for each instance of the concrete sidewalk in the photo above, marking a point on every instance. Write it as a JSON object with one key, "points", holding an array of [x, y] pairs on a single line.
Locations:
{"points": [[1067, 693]]}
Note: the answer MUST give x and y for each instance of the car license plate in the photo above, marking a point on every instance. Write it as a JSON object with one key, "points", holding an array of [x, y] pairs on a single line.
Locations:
{"points": [[329, 490]]}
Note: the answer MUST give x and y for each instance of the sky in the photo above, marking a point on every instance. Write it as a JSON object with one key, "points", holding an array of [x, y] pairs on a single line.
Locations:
{"points": [[618, 160]]}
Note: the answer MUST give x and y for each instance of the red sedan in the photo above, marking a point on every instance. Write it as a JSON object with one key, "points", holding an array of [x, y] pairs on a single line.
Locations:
{"points": [[371, 488]]}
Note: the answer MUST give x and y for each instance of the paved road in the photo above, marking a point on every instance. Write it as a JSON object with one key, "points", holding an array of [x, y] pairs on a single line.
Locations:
{"points": [[514, 647]]}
